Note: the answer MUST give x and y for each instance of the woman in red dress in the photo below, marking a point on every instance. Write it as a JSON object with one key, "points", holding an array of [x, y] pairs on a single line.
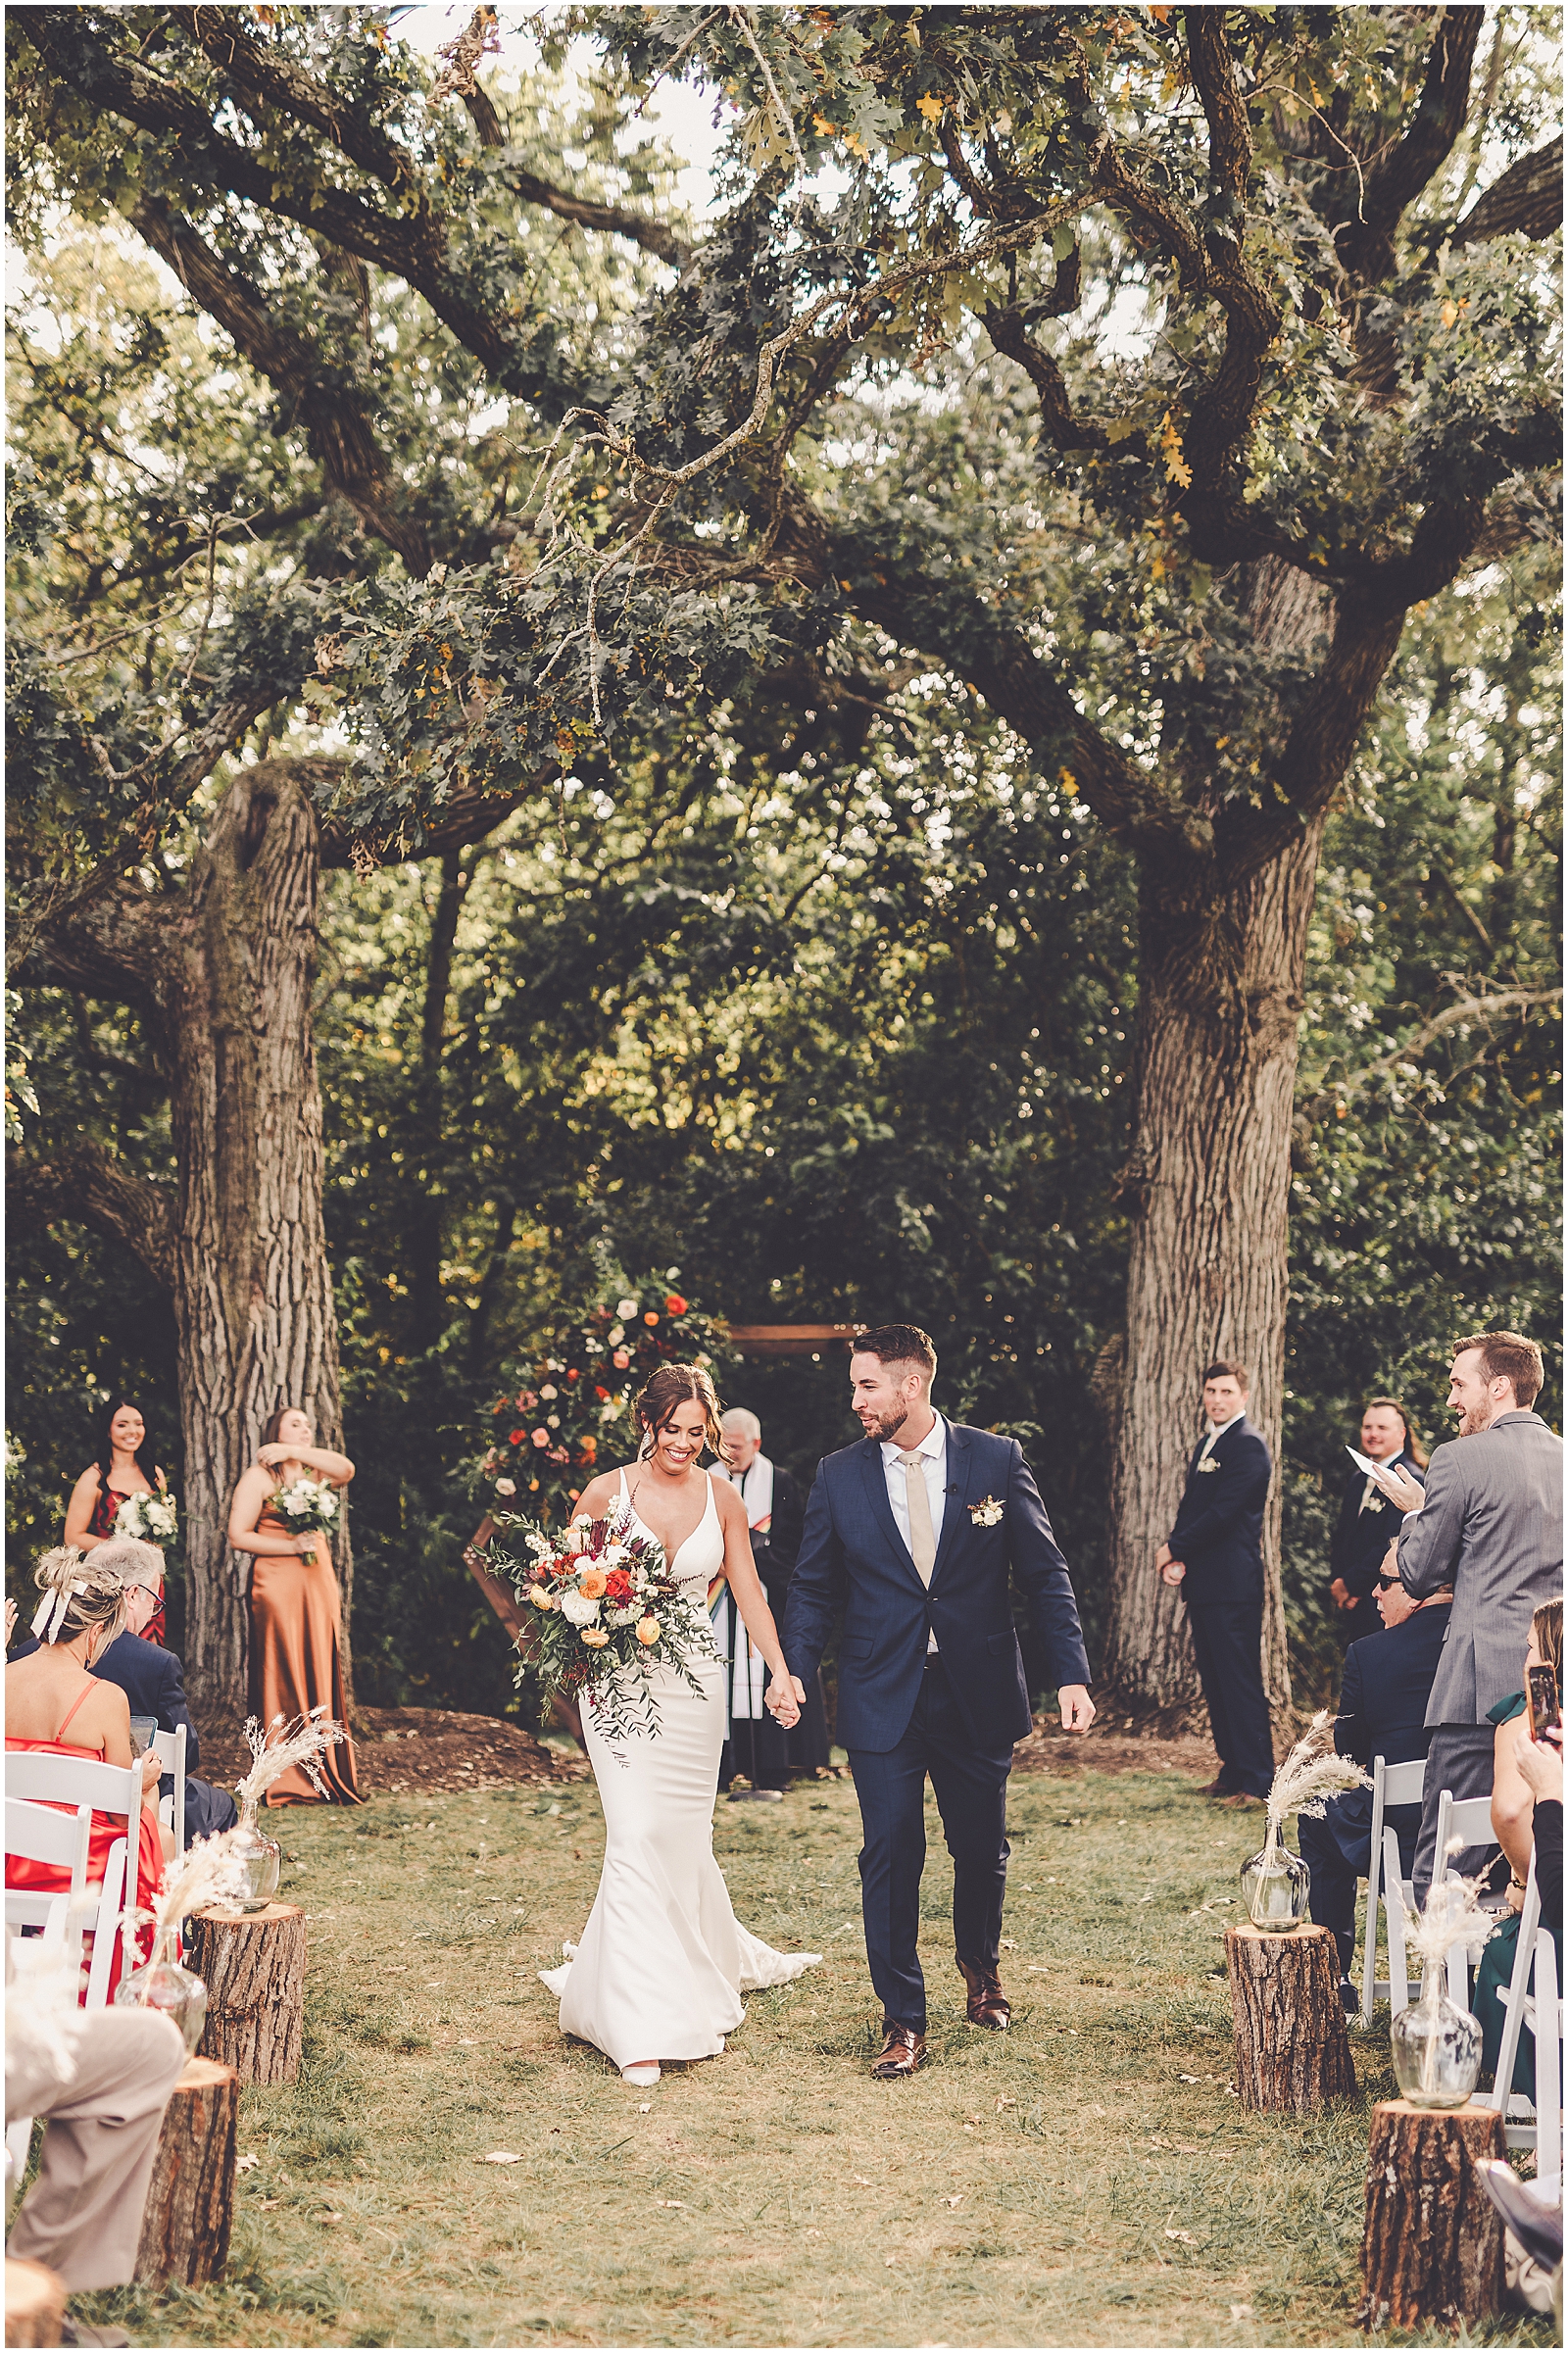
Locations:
{"points": [[124, 1468], [296, 1607], [55, 1707]]}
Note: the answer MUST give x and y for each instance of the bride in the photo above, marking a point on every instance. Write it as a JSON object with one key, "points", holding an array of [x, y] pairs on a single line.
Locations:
{"points": [[664, 1961]]}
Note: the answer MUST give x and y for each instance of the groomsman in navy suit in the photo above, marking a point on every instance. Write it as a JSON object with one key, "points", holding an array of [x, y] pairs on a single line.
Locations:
{"points": [[920, 1528], [1215, 1554]]}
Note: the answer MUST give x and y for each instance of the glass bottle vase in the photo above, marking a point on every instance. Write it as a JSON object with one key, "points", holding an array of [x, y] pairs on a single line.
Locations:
{"points": [[167, 1984], [1275, 1884], [1435, 2046], [261, 1857]]}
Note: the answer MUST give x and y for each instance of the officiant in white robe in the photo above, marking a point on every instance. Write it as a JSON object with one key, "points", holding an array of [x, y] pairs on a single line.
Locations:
{"points": [[754, 1746]]}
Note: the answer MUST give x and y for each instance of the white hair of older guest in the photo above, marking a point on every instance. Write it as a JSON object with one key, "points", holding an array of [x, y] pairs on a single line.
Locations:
{"points": [[133, 1561], [743, 1419]]}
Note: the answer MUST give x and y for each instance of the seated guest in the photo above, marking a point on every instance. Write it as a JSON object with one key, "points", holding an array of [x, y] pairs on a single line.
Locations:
{"points": [[153, 1678], [102, 2077], [1383, 1705], [1368, 1518], [53, 1692], [1514, 1806]]}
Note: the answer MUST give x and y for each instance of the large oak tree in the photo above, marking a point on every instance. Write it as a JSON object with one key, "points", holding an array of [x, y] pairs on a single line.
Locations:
{"points": [[1141, 370]]}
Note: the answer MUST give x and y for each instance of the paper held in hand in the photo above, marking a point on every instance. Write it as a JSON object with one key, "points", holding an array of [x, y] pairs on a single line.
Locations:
{"points": [[1374, 1470]]}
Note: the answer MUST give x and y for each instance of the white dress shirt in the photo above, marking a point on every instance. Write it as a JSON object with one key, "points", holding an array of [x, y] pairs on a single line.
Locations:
{"points": [[933, 1453], [1217, 1430]]}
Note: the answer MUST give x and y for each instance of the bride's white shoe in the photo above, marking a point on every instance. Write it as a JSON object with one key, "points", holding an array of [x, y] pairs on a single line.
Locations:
{"points": [[641, 2077]]}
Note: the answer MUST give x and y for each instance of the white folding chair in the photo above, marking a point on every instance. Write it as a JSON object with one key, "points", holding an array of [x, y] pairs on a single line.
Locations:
{"points": [[44, 1778], [1540, 2128], [1469, 1820], [170, 1751], [37, 1834], [1392, 1785]]}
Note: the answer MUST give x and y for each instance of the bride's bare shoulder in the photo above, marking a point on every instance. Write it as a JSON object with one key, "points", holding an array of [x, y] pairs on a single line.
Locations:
{"points": [[599, 1492]]}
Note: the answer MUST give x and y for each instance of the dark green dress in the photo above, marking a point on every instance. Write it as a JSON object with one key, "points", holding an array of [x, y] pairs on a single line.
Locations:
{"points": [[1496, 1967]]}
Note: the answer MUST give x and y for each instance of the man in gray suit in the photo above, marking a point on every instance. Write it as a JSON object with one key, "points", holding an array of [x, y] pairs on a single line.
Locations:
{"points": [[1490, 1524]]}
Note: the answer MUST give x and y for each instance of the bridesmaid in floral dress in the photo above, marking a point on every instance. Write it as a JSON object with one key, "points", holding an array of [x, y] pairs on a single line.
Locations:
{"points": [[296, 1606], [124, 1468]]}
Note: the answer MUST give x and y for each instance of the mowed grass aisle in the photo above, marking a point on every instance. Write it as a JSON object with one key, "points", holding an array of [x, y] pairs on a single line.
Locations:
{"points": [[1086, 2179]]}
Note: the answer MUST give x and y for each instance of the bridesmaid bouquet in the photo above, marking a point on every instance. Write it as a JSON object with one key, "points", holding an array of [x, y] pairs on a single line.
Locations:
{"points": [[307, 1505], [151, 1519], [606, 1614]]}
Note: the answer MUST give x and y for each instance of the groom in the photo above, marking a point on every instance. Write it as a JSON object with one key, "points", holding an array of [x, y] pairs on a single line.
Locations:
{"points": [[921, 1524]]}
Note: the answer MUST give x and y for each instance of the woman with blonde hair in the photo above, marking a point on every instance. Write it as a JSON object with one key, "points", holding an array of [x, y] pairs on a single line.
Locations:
{"points": [[52, 1693], [664, 1961]]}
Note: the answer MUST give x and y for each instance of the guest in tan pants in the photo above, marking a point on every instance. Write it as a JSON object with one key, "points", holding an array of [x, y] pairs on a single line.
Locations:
{"points": [[103, 2078]]}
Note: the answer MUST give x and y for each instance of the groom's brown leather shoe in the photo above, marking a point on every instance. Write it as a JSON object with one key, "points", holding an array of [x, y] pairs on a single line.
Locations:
{"points": [[903, 2052], [988, 2006]]}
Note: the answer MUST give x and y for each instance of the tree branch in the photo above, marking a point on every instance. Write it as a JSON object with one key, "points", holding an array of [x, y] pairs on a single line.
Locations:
{"points": [[101, 1192], [1366, 244], [1526, 202], [1467, 1009], [339, 432]]}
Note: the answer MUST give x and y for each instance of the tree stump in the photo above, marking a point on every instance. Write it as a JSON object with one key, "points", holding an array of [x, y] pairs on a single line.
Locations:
{"points": [[35, 2304], [1292, 2048], [1432, 2249], [190, 2200], [253, 1964]]}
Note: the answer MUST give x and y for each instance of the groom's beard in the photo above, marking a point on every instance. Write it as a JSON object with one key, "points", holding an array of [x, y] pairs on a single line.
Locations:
{"points": [[886, 1427]]}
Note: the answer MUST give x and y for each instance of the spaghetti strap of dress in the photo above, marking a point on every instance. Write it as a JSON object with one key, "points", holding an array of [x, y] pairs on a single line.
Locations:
{"points": [[92, 1686]]}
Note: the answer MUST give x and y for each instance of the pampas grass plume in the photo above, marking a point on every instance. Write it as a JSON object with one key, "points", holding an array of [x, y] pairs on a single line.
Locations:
{"points": [[1451, 1915], [281, 1747], [1312, 1773]]}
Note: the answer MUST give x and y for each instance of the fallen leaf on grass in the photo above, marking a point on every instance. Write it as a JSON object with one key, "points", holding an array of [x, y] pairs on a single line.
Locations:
{"points": [[1184, 2236], [1008, 1944], [958, 2201], [860, 2177], [267, 2202], [1188, 2148], [501, 2157], [329, 2217], [890, 2261], [969, 2127], [242, 2165], [645, 2107], [1189, 2079], [1241, 2312], [673, 2202], [1000, 2104]]}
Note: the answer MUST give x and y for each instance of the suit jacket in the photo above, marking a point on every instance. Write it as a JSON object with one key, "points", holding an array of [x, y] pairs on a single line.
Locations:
{"points": [[1219, 1527], [775, 1551], [1386, 1684], [852, 1539], [1361, 1537], [1490, 1527]]}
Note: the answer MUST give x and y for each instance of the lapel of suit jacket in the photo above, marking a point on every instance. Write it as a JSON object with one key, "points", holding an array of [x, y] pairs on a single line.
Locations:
{"points": [[954, 1516], [873, 1471]]}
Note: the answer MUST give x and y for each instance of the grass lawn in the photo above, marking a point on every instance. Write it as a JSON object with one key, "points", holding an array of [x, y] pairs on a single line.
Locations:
{"points": [[1086, 2179]]}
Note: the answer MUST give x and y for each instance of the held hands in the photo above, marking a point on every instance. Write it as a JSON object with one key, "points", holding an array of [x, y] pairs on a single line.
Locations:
{"points": [[784, 1698], [1077, 1708]]}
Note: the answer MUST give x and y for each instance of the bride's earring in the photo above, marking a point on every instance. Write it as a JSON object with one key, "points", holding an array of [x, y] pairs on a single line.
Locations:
{"points": [[646, 1447]]}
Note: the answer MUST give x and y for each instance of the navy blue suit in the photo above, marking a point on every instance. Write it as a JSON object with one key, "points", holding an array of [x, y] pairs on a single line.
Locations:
{"points": [[1383, 1709], [154, 1681], [1361, 1537], [954, 1718], [1219, 1536]]}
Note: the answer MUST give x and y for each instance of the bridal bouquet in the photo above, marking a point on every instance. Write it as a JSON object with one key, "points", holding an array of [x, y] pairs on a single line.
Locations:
{"points": [[606, 1613], [152, 1519], [306, 1504]]}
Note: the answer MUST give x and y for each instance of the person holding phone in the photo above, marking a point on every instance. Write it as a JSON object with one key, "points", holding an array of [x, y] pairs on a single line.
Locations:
{"points": [[1521, 1719], [1490, 1524]]}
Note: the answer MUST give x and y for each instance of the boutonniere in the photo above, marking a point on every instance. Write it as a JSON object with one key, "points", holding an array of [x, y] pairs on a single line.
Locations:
{"points": [[1374, 1502], [987, 1512], [1208, 1464]]}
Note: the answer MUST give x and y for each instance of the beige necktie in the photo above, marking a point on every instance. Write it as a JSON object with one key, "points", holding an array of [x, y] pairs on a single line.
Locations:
{"points": [[922, 1536]]}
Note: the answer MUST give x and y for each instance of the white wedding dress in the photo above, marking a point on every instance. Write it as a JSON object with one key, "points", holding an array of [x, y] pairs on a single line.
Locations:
{"points": [[664, 1961]]}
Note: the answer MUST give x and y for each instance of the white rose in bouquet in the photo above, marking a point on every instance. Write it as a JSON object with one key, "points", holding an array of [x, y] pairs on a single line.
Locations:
{"points": [[578, 1610]]}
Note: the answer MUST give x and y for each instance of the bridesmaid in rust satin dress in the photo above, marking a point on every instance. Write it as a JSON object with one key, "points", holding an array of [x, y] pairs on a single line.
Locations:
{"points": [[296, 1606]]}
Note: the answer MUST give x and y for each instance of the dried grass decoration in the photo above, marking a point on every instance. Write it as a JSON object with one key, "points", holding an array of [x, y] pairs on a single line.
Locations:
{"points": [[280, 1747], [1435, 2045], [1276, 1884], [212, 1872], [606, 1615]]}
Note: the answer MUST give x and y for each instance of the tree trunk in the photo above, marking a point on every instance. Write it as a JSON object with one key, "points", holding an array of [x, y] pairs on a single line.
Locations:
{"points": [[1431, 2248], [1292, 2048], [189, 2213], [253, 1966], [1208, 1182], [35, 2303], [253, 1289]]}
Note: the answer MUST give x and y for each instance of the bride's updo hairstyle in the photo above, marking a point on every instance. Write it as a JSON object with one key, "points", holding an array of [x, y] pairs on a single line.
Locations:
{"points": [[678, 1384], [78, 1592]]}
